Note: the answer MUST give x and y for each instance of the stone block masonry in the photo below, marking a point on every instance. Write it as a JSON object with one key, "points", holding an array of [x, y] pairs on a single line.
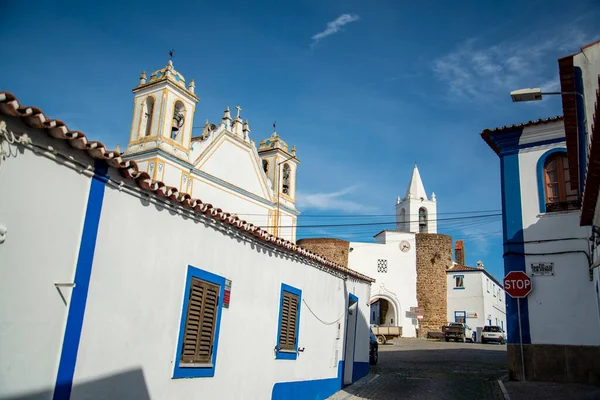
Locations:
{"points": [[335, 250], [434, 256]]}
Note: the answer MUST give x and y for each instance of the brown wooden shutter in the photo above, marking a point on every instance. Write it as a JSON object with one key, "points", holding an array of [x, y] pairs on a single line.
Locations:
{"points": [[289, 316], [200, 322]]}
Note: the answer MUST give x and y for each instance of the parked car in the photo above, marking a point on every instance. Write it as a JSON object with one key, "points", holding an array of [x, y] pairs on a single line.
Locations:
{"points": [[459, 332], [373, 348], [493, 333]]}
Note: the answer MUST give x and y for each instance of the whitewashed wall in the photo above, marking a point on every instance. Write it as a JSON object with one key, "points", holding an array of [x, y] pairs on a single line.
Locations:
{"points": [[42, 205], [399, 284], [568, 298], [134, 305]]}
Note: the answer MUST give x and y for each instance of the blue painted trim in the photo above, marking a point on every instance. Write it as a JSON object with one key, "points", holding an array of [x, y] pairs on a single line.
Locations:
{"points": [[214, 179], [83, 273], [512, 227], [581, 128], [360, 369], [309, 390], [508, 142], [540, 175], [288, 355], [355, 299], [462, 314], [459, 287], [198, 372]]}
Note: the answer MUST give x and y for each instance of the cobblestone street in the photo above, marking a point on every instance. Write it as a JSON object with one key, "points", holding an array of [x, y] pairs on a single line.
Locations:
{"points": [[423, 369]]}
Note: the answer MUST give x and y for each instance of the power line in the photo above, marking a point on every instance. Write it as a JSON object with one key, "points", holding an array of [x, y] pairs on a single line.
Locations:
{"points": [[380, 223], [372, 215]]}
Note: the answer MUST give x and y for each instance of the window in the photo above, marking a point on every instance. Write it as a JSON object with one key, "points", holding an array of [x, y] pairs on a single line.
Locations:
{"points": [[423, 220], [199, 327], [146, 116], [286, 179], [459, 281], [289, 322], [382, 266], [178, 121], [266, 166], [558, 192]]}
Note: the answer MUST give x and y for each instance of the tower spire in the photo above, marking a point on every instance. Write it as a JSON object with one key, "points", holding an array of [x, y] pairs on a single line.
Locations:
{"points": [[415, 189]]}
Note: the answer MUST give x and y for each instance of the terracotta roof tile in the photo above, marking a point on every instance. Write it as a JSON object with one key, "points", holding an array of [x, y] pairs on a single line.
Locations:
{"points": [[34, 117], [464, 268], [592, 174], [486, 133]]}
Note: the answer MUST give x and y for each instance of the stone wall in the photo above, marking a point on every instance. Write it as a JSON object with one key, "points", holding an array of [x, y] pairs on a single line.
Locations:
{"points": [[335, 250], [434, 256]]}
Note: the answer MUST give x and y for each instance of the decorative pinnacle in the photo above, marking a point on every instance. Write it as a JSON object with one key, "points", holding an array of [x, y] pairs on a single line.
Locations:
{"points": [[143, 78], [227, 115], [246, 127], [294, 150], [192, 86]]}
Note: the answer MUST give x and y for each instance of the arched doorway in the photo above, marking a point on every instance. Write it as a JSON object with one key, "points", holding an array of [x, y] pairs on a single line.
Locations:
{"points": [[383, 312]]}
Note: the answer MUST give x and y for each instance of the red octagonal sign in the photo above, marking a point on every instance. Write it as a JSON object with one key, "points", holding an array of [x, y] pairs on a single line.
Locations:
{"points": [[517, 284]]}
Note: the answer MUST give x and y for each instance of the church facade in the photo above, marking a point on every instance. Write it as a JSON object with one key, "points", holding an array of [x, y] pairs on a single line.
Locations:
{"points": [[409, 264], [222, 164]]}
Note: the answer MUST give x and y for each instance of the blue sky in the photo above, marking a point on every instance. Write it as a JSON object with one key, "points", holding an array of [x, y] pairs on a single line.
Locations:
{"points": [[362, 89]]}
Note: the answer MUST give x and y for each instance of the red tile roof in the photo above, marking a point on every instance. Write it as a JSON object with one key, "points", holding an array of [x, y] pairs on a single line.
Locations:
{"points": [[486, 133], [592, 175], [34, 117]]}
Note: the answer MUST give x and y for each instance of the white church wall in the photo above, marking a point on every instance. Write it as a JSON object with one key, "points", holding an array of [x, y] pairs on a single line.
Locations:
{"points": [[399, 284], [577, 301], [42, 205], [151, 283], [130, 317]]}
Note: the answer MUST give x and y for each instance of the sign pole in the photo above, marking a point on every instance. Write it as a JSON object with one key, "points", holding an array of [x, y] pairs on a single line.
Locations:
{"points": [[521, 338]]}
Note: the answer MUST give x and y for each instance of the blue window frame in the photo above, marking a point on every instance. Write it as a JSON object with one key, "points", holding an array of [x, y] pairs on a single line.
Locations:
{"points": [[288, 354], [460, 316], [540, 175], [193, 370], [459, 282]]}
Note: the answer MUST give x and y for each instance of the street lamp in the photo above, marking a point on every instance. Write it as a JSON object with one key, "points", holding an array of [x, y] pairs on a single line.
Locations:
{"points": [[533, 94], [278, 190]]}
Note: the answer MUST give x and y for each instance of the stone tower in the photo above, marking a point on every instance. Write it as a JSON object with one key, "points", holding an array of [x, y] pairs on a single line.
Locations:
{"points": [[434, 256], [415, 212]]}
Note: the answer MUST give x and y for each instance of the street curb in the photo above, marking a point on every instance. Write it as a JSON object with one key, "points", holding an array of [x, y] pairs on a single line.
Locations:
{"points": [[358, 386], [504, 392]]}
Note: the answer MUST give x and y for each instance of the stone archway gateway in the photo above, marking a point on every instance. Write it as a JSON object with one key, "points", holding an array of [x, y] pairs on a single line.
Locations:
{"points": [[384, 312]]}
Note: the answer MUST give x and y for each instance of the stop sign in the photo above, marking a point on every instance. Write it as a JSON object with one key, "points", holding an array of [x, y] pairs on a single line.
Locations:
{"points": [[517, 284]]}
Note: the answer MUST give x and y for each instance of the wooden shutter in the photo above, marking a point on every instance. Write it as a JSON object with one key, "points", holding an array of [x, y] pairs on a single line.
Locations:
{"points": [[200, 322], [289, 321]]}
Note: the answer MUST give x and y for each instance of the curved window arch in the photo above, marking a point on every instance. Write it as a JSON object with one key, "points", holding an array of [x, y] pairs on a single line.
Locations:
{"points": [[285, 188], [146, 117], [265, 164], [422, 220], [554, 185], [178, 121]]}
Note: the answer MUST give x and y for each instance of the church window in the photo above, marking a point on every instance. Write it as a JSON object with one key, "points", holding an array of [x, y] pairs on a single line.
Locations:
{"points": [[423, 220], [178, 121], [146, 116], [286, 179], [382, 266], [558, 192], [266, 166], [459, 281]]}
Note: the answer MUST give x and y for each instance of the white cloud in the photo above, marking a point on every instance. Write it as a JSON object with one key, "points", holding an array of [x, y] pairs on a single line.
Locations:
{"points": [[332, 201], [475, 72], [334, 27]]}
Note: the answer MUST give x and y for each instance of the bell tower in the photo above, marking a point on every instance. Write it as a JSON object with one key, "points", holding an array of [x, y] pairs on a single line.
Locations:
{"points": [[416, 213], [163, 114], [280, 165]]}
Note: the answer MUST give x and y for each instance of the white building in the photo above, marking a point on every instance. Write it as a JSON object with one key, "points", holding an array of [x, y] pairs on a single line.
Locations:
{"points": [[221, 164], [392, 259], [115, 285], [474, 295], [542, 167]]}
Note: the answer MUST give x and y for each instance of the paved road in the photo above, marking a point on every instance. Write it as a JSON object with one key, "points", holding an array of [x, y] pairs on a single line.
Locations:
{"points": [[424, 369]]}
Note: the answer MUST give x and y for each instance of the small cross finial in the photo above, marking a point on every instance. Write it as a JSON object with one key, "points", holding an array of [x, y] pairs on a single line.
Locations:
{"points": [[274, 125], [171, 53], [238, 111]]}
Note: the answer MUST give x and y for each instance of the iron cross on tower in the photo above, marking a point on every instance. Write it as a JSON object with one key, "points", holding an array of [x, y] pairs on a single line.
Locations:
{"points": [[171, 53]]}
